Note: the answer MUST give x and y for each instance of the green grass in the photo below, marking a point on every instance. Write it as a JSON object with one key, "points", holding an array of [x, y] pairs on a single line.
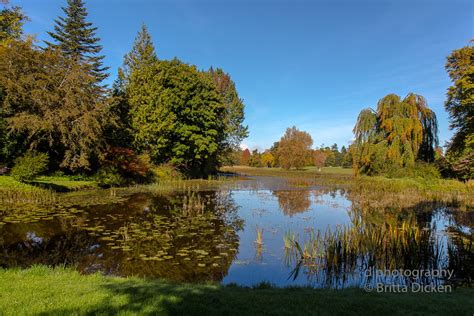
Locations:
{"points": [[42, 290], [56, 183], [330, 170]]}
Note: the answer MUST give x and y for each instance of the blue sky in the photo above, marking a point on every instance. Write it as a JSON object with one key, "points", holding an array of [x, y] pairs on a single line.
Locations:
{"points": [[312, 64]]}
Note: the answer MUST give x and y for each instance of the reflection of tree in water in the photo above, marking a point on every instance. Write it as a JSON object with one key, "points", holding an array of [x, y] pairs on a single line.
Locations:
{"points": [[186, 237], [51, 243], [293, 201]]}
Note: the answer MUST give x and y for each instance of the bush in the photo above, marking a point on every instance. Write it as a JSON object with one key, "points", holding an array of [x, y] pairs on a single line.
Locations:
{"points": [[420, 170], [165, 172], [28, 167], [109, 177], [127, 164]]}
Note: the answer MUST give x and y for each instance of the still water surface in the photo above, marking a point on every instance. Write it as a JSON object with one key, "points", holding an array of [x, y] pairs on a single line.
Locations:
{"points": [[255, 230]]}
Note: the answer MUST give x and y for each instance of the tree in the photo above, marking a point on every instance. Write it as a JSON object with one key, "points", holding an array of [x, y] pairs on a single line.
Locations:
{"points": [[244, 159], [396, 135], [294, 147], [53, 102], [11, 29], [319, 158], [267, 159], [234, 110], [76, 38], [11, 24], [255, 159], [460, 106], [274, 151], [346, 157], [177, 116], [142, 55]]}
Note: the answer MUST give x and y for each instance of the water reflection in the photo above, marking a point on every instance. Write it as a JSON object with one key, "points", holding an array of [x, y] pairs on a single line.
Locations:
{"points": [[295, 201], [184, 237], [260, 230]]}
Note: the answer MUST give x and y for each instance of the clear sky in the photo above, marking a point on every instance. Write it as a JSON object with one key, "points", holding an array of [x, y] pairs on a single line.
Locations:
{"points": [[312, 64]]}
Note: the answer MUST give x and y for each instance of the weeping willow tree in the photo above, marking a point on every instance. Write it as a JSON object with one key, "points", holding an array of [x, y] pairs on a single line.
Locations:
{"points": [[395, 135]]}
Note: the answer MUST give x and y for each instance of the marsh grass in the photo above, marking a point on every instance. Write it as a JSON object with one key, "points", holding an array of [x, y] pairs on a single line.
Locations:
{"points": [[346, 249]]}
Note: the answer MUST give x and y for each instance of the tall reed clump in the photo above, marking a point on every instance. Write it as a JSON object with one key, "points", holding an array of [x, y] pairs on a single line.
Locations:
{"points": [[13, 195], [346, 248], [193, 204]]}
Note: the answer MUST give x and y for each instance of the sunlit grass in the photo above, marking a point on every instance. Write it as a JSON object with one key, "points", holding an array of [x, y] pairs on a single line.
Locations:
{"points": [[42, 290]]}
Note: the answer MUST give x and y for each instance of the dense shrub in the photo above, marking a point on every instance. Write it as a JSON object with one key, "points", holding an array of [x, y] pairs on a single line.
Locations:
{"points": [[130, 166], [29, 166], [419, 170], [165, 172], [109, 177]]}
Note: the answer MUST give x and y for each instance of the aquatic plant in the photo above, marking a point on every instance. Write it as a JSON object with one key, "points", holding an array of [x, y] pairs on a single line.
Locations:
{"points": [[259, 240]]}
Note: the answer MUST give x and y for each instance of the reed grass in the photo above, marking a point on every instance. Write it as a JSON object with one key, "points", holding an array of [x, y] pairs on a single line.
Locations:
{"points": [[259, 239]]}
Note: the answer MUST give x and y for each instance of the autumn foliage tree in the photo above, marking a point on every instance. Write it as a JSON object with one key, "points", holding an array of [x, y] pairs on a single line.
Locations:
{"points": [[395, 135], [245, 157], [319, 158], [294, 148], [460, 106], [267, 159], [54, 103]]}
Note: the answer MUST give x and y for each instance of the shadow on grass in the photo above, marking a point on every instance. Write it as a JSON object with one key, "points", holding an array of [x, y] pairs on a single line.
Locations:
{"points": [[156, 298], [50, 186]]}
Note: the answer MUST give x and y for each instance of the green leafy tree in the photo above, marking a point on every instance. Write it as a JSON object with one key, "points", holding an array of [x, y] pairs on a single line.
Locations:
{"points": [[77, 39], [460, 106], [29, 166], [177, 116], [255, 159], [294, 148], [141, 56], [234, 110], [395, 135], [346, 157], [53, 101]]}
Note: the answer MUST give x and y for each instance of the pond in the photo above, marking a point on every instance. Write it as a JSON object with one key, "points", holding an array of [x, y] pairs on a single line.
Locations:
{"points": [[246, 232]]}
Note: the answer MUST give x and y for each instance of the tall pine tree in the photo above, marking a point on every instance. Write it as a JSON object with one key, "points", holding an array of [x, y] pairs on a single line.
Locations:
{"points": [[76, 38], [142, 54]]}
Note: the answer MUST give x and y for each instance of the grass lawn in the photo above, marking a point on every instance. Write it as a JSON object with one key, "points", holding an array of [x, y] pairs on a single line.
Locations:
{"points": [[56, 183], [46, 291]]}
